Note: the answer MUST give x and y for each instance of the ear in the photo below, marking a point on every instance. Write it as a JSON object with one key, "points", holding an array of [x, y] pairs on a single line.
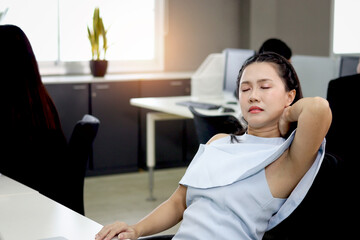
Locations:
{"points": [[290, 97]]}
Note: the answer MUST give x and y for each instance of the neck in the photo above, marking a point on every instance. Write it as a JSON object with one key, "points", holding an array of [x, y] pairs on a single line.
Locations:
{"points": [[268, 132]]}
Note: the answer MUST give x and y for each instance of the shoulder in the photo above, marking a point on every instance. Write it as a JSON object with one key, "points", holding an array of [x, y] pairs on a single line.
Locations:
{"points": [[217, 137]]}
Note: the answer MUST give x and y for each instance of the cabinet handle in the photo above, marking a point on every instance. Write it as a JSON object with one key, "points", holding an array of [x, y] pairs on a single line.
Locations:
{"points": [[79, 87], [175, 83], [102, 86]]}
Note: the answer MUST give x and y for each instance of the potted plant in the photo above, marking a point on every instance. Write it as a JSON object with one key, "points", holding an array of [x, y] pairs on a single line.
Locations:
{"points": [[98, 41], [3, 13]]}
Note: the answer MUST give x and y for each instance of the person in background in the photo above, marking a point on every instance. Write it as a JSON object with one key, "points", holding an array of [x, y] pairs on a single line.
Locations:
{"points": [[33, 143], [277, 46], [240, 186]]}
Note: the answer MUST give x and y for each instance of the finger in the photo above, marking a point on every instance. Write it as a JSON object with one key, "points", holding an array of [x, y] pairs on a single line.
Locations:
{"points": [[111, 234], [126, 235], [103, 232]]}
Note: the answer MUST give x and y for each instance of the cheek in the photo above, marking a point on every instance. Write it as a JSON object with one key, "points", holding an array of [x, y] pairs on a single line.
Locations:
{"points": [[242, 101], [278, 98]]}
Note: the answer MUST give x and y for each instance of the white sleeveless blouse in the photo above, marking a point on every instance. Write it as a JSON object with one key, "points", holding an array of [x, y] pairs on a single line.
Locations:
{"points": [[227, 193]]}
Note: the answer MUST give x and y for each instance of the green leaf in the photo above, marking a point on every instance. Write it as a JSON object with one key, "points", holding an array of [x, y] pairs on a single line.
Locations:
{"points": [[94, 36]]}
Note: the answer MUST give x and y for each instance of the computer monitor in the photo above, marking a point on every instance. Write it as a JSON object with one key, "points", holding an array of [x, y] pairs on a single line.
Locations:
{"points": [[348, 65], [234, 59], [207, 81]]}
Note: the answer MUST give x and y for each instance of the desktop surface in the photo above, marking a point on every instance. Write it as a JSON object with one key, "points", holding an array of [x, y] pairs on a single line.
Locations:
{"points": [[27, 214], [170, 105], [41, 218]]}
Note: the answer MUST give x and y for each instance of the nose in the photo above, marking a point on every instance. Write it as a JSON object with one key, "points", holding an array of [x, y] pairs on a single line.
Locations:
{"points": [[253, 97]]}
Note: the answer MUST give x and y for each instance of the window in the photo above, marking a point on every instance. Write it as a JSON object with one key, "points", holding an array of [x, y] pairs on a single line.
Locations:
{"points": [[346, 34], [57, 30]]}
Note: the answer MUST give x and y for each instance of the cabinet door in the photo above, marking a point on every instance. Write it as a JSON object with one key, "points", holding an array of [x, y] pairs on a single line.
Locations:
{"points": [[71, 101], [171, 136], [115, 148]]}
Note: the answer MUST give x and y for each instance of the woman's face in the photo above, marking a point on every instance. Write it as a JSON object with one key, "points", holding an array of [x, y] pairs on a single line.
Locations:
{"points": [[262, 95]]}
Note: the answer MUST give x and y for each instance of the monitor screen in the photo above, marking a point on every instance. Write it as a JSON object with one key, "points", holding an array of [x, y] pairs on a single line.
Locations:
{"points": [[234, 59], [348, 65]]}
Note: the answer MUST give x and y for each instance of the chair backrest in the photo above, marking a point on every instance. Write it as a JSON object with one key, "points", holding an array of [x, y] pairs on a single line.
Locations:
{"points": [[207, 126], [319, 214], [341, 141], [343, 98], [79, 152]]}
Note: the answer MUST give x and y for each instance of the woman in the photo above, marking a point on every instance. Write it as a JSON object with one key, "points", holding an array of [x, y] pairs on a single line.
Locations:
{"points": [[33, 140], [240, 189]]}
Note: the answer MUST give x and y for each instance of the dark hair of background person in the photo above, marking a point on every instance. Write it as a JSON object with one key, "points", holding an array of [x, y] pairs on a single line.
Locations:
{"points": [[26, 95], [286, 72], [33, 140], [277, 46]]}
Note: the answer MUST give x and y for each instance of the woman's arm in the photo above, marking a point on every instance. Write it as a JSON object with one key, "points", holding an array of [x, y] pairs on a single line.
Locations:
{"points": [[313, 117], [163, 217]]}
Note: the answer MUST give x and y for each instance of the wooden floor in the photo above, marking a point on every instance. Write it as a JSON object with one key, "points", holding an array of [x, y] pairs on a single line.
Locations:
{"points": [[122, 197]]}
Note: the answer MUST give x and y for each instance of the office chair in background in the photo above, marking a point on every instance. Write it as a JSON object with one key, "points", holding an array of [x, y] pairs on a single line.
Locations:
{"points": [[79, 152], [207, 126]]}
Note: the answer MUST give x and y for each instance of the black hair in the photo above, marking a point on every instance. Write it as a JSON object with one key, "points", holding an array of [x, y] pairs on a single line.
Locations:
{"points": [[277, 46], [27, 103]]}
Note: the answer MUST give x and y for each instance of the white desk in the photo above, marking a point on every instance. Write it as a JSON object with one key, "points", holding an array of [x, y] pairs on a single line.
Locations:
{"points": [[26, 214], [168, 110], [9, 186]]}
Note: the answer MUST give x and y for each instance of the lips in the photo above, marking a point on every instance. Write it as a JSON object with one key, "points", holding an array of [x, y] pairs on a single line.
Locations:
{"points": [[255, 109]]}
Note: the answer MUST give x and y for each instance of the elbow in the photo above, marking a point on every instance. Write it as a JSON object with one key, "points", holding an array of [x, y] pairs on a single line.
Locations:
{"points": [[321, 109], [320, 103]]}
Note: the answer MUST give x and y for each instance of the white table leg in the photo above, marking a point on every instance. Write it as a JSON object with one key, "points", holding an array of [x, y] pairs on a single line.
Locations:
{"points": [[151, 118]]}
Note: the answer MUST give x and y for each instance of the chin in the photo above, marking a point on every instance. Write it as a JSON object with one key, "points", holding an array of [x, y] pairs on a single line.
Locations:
{"points": [[255, 121]]}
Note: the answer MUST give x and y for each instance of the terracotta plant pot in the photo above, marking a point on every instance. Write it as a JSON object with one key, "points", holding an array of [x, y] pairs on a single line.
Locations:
{"points": [[98, 67]]}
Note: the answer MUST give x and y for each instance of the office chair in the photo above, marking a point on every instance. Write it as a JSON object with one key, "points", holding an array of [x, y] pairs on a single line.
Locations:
{"points": [[342, 95], [207, 126], [317, 216], [342, 141], [79, 152]]}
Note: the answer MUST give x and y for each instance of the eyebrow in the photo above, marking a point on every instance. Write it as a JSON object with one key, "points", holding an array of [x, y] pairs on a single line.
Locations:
{"points": [[258, 81]]}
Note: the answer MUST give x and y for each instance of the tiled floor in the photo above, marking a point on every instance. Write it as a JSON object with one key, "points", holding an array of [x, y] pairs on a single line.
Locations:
{"points": [[123, 196]]}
